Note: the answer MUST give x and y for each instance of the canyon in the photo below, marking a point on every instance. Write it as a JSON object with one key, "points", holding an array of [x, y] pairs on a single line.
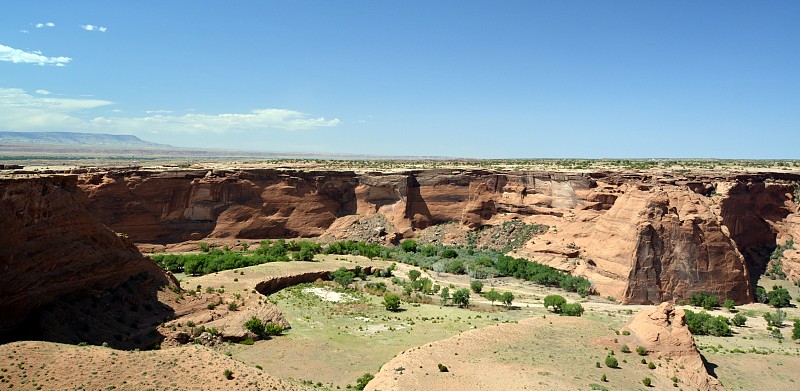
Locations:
{"points": [[639, 237]]}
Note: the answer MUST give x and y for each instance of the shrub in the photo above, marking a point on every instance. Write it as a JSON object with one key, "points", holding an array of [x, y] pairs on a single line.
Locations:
{"points": [[255, 326], [476, 285], [705, 324], [233, 306], [508, 298], [343, 277], [461, 297], [775, 319], [445, 295], [228, 374], [273, 329], [796, 329], [651, 365], [647, 382], [761, 295], [391, 302], [624, 349], [443, 368], [204, 247], [779, 297], [362, 381], [739, 320], [641, 350], [604, 378], [493, 296], [612, 362], [729, 305], [555, 301], [572, 309], [409, 246], [449, 253]]}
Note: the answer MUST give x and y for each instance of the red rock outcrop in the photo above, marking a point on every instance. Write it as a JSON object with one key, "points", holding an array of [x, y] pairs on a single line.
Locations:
{"points": [[662, 331], [52, 247], [665, 243]]}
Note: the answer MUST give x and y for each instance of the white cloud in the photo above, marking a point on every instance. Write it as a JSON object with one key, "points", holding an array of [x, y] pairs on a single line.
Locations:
{"points": [[22, 111], [24, 31], [91, 27], [159, 111], [35, 57], [42, 92], [42, 25]]}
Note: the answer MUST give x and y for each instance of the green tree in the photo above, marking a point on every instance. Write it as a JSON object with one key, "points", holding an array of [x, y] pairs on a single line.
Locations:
{"points": [[362, 381], [612, 362], [445, 295], [572, 309], [796, 329], [391, 302], [493, 296], [729, 305], [409, 246], [779, 297], [554, 302], [775, 319], [461, 297], [508, 298], [739, 320], [256, 326], [761, 295], [413, 274], [476, 285], [343, 277]]}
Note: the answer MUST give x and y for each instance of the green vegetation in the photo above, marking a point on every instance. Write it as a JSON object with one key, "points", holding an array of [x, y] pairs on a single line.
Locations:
{"points": [[409, 246], [624, 349], [647, 381], [493, 296], [413, 274], [612, 362], [796, 329], [228, 374], [775, 266], [572, 309], [343, 277], [739, 320], [705, 300], [729, 305], [640, 350], [391, 302], [362, 381], [775, 319], [257, 327], [442, 368], [779, 297], [705, 324], [476, 286], [555, 303], [461, 298], [508, 298]]}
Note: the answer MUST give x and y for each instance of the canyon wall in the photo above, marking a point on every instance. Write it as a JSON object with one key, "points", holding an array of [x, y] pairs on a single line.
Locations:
{"points": [[639, 238], [54, 250]]}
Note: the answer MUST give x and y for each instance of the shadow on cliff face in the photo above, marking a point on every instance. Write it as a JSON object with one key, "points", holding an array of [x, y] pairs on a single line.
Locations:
{"points": [[747, 212], [126, 317]]}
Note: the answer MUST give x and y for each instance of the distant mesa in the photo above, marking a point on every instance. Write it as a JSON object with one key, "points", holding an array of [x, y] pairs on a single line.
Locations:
{"points": [[77, 139]]}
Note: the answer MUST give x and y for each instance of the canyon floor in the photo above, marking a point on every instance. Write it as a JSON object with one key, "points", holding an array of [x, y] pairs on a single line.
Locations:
{"points": [[336, 338]]}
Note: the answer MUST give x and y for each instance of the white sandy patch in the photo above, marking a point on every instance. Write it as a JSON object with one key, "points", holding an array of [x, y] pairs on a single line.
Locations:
{"points": [[329, 295]]}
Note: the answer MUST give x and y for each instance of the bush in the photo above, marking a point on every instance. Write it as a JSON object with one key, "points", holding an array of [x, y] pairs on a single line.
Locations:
{"points": [[572, 309], [409, 246], [555, 301], [233, 306], [461, 297], [362, 381], [729, 305], [705, 300], [476, 285], [391, 302], [612, 362], [760, 295], [779, 297], [641, 350], [443, 368], [508, 298], [651, 365], [493, 296], [413, 274], [647, 382], [739, 320], [228, 374], [343, 277], [796, 329], [624, 349], [449, 253], [705, 324], [604, 378], [775, 319], [255, 326], [273, 329]]}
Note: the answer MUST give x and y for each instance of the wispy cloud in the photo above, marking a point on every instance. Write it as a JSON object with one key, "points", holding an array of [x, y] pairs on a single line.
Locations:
{"points": [[42, 92], [24, 31], [22, 111], [10, 54], [43, 25], [159, 111], [91, 27]]}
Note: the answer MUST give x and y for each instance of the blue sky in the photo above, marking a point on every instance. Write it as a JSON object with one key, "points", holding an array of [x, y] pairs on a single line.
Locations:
{"points": [[484, 79]]}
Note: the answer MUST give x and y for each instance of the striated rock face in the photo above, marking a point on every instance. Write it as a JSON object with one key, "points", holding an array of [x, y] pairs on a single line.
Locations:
{"points": [[663, 332], [664, 244], [52, 247], [639, 238]]}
